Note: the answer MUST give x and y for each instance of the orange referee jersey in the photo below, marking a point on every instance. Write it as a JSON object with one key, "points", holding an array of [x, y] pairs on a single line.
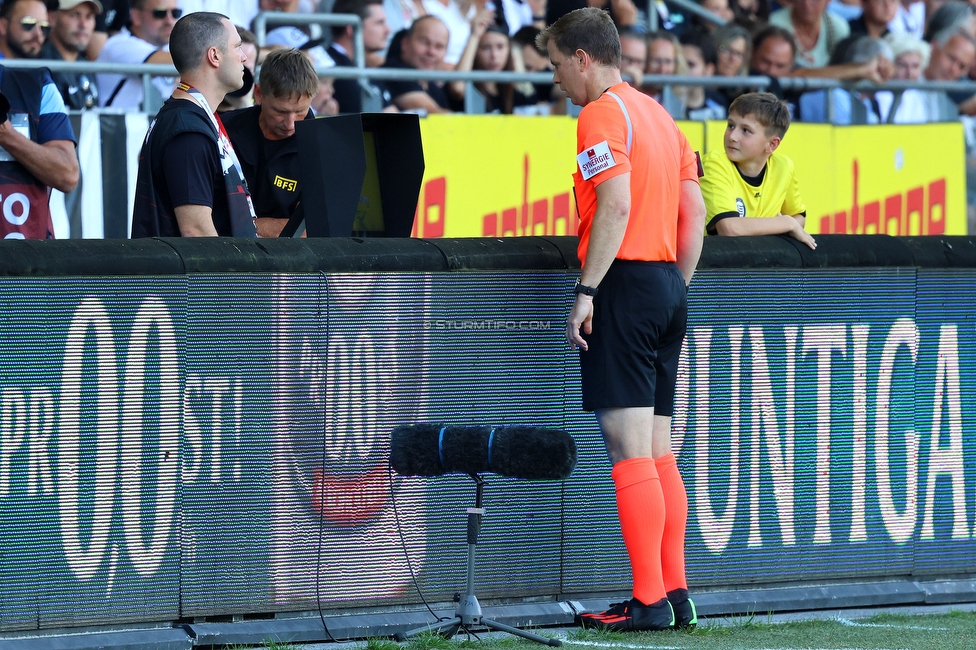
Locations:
{"points": [[627, 131]]}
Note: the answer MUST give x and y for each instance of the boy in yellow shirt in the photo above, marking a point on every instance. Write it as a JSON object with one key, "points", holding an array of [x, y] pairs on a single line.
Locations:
{"points": [[750, 188]]}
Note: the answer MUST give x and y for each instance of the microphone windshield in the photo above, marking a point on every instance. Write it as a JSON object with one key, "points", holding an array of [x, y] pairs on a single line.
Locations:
{"points": [[518, 452]]}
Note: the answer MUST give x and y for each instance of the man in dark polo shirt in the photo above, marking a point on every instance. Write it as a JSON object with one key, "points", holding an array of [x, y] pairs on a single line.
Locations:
{"points": [[264, 136], [422, 47]]}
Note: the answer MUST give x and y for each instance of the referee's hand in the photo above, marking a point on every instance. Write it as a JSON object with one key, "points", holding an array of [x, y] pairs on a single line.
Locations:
{"points": [[580, 316]]}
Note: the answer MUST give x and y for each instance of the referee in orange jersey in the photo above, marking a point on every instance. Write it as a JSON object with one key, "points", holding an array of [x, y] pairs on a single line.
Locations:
{"points": [[640, 236]]}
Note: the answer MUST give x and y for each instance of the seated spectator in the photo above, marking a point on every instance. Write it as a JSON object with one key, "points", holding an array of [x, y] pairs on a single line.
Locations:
{"points": [[815, 31], [495, 53], [749, 188], [849, 107], [633, 55], [700, 56], [953, 16], [875, 18], [774, 55], [734, 49], [24, 27], [148, 42], [244, 97], [953, 55], [72, 27], [421, 48], [348, 92], [535, 60], [664, 57], [909, 19], [913, 106]]}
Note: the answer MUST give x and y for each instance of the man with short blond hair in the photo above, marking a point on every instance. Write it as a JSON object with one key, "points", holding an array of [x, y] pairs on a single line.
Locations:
{"points": [[264, 136]]}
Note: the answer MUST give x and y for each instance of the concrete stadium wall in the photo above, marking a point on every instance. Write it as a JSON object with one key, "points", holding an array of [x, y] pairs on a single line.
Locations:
{"points": [[199, 428]]}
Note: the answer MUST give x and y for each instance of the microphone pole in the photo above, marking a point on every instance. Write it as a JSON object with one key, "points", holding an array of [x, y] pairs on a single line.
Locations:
{"points": [[468, 612]]}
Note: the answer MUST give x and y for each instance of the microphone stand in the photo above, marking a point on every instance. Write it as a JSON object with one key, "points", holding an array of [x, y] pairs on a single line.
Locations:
{"points": [[468, 612]]}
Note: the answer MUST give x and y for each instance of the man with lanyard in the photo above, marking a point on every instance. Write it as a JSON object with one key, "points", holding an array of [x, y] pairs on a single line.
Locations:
{"points": [[190, 182], [37, 152], [264, 136], [640, 237]]}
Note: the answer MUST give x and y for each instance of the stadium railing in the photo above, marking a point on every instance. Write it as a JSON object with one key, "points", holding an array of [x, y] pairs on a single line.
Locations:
{"points": [[475, 76]]}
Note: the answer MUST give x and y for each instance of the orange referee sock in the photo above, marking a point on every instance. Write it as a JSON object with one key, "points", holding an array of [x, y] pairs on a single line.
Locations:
{"points": [[640, 505], [675, 520]]}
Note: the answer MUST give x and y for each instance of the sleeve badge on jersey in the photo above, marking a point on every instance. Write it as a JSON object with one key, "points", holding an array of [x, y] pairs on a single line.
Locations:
{"points": [[740, 207], [596, 159]]}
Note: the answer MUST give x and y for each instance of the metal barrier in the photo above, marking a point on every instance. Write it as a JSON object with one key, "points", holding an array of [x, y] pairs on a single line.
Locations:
{"points": [[475, 76]]}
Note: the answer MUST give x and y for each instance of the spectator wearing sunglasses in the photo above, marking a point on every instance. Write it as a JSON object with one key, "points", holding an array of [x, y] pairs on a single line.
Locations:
{"points": [[72, 27], [147, 42], [24, 27]]}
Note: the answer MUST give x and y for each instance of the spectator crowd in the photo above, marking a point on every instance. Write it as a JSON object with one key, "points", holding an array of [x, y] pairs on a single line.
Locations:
{"points": [[852, 40]]}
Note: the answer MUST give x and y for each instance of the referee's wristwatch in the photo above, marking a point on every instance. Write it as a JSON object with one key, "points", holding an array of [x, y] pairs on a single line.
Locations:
{"points": [[585, 290]]}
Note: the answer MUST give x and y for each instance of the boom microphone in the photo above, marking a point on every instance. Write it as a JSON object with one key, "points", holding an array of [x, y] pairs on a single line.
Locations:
{"points": [[519, 452]]}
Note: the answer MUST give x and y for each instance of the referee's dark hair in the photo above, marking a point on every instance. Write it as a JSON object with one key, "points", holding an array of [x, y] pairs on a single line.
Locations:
{"points": [[356, 7], [193, 35], [588, 29], [288, 73], [770, 111]]}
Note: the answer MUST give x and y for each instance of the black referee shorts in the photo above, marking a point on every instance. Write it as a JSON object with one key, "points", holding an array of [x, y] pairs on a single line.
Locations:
{"points": [[639, 320]]}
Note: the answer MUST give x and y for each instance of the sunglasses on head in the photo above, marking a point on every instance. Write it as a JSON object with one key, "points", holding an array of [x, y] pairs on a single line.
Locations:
{"points": [[28, 24], [160, 13]]}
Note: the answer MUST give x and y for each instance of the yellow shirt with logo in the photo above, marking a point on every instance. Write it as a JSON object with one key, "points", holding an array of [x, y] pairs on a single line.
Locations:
{"points": [[727, 194]]}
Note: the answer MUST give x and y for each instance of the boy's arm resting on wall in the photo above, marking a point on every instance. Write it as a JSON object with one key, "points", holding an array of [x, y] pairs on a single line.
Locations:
{"points": [[753, 226]]}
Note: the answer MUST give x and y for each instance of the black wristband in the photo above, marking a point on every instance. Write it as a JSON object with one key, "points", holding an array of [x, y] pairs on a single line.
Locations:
{"points": [[585, 290], [534, 18]]}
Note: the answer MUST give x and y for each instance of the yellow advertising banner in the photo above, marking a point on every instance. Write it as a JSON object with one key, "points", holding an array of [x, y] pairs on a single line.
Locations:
{"points": [[505, 176], [502, 175], [898, 180]]}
